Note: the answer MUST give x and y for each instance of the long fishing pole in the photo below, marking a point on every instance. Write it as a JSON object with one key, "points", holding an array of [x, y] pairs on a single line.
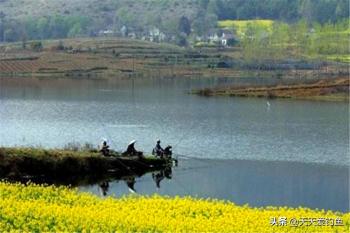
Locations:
{"points": [[203, 160], [106, 131]]}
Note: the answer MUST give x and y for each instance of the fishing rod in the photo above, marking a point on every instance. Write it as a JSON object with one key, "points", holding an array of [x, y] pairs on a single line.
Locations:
{"points": [[120, 162], [203, 160]]}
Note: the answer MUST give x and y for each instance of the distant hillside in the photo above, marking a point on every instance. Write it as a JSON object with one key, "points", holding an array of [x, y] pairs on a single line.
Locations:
{"points": [[25, 8], [141, 10], [43, 19], [101, 11]]}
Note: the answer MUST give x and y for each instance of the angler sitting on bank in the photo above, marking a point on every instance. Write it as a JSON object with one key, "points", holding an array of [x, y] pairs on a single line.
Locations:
{"points": [[104, 148], [158, 150], [131, 149]]}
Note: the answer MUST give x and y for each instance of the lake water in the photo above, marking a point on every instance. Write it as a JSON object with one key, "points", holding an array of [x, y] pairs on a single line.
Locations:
{"points": [[289, 153], [257, 183]]}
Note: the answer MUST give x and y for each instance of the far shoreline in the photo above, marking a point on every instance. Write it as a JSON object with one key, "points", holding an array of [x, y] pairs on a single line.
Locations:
{"points": [[335, 89]]}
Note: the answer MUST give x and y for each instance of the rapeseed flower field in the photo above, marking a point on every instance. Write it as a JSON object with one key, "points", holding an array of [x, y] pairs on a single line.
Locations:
{"points": [[39, 208], [241, 25]]}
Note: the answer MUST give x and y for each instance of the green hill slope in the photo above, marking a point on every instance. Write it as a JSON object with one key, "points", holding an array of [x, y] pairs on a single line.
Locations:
{"points": [[47, 19], [105, 10]]}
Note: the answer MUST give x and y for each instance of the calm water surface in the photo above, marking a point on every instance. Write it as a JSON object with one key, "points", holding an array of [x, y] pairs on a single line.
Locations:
{"points": [[257, 183], [312, 137]]}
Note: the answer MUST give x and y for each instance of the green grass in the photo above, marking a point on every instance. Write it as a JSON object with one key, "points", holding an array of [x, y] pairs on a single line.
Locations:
{"points": [[60, 163], [18, 162], [339, 58], [40, 152]]}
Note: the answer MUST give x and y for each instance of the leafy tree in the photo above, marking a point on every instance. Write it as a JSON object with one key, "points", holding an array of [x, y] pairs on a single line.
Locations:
{"points": [[204, 22], [9, 35], [213, 8], [30, 25], [203, 4], [245, 12], [254, 43], [200, 15], [60, 45], [181, 39], [75, 31], [342, 9], [300, 32], [154, 20], [324, 11], [2, 29], [123, 17], [58, 27], [36, 45], [184, 25], [2, 25], [279, 41], [42, 28], [24, 41], [169, 26]]}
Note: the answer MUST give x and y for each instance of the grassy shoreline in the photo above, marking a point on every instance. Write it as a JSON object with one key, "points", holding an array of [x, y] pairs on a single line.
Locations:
{"points": [[60, 164], [325, 90]]}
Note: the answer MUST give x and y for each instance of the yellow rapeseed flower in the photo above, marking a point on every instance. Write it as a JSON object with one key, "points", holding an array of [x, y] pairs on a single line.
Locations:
{"points": [[38, 208]]}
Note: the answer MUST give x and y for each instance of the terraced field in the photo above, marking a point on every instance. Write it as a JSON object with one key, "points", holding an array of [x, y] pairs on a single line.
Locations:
{"points": [[117, 57], [125, 58]]}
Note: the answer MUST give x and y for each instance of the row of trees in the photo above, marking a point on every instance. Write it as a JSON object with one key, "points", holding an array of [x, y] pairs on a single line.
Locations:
{"points": [[299, 40], [210, 11], [199, 20], [42, 28], [321, 11]]}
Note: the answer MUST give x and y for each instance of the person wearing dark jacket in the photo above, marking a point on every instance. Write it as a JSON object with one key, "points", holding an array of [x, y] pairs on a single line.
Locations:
{"points": [[105, 148], [158, 150]]}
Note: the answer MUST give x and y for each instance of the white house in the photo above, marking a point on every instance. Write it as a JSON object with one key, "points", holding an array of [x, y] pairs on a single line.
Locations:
{"points": [[214, 37], [226, 36], [156, 35], [107, 32]]}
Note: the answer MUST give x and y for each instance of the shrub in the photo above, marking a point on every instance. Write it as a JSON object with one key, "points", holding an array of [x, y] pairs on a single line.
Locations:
{"points": [[36, 46]]}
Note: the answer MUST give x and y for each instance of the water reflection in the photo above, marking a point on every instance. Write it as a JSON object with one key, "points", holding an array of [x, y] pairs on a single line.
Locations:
{"points": [[104, 186], [129, 177], [130, 180], [160, 175], [257, 183]]}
